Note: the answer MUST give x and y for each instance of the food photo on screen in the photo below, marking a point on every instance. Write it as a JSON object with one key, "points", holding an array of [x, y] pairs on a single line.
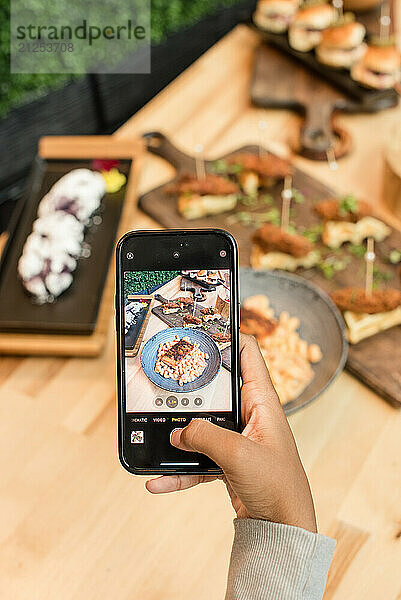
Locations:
{"points": [[177, 340]]}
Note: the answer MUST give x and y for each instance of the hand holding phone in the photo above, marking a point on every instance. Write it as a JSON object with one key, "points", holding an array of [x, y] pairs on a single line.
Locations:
{"points": [[262, 469], [177, 333]]}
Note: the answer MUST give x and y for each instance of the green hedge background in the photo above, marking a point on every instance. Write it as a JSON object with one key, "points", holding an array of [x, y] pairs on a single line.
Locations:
{"points": [[168, 16]]}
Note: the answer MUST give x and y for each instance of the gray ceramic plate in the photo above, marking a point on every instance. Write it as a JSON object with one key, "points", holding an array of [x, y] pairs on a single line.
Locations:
{"points": [[321, 323], [206, 344]]}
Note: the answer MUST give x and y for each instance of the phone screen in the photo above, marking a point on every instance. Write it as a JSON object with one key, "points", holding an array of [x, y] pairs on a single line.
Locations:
{"points": [[177, 353]]}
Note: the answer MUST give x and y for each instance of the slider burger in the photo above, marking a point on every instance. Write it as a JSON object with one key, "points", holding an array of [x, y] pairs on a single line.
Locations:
{"points": [[259, 171], [378, 68], [365, 315], [209, 195], [210, 314], [305, 32], [184, 302], [274, 248], [275, 15], [169, 308], [342, 45], [191, 321], [349, 220]]}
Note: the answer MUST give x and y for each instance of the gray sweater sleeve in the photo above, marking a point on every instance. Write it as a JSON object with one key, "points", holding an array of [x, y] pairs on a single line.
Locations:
{"points": [[270, 561]]}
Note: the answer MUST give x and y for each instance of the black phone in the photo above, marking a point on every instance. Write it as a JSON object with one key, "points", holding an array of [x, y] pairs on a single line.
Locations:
{"points": [[177, 319]]}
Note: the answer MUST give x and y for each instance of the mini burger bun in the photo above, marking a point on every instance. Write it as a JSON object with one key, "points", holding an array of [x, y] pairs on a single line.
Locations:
{"points": [[268, 23], [379, 68], [319, 16], [280, 7], [384, 59], [345, 36]]}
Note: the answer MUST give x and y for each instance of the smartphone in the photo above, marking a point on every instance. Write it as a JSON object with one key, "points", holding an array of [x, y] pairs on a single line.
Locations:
{"points": [[177, 318]]}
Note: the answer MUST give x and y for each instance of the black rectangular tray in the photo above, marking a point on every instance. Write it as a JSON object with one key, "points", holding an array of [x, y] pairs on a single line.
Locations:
{"points": [[366, 99], [75, 311], [133, 332]]}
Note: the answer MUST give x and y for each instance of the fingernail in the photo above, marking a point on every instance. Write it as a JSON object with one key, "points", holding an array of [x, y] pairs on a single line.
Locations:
{"points": [[175, 436]]}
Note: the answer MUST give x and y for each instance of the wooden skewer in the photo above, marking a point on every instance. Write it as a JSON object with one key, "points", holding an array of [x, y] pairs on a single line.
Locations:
{"points": [[262, 126], [385, 21], [286, 196], [331, 159], [370, 259], [199, 162], [339, 6]]}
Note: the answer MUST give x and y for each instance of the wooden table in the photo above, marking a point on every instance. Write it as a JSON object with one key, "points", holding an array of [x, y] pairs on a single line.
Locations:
{"points": [[74, 525]]}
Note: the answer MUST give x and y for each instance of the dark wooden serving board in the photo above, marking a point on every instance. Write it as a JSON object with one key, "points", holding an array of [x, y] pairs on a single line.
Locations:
{"points": [[176, 320], [376, 361], [285, 78], [134, 335]]}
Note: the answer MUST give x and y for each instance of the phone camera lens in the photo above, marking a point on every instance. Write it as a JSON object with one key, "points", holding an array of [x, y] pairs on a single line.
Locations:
{"points": [[223, 253], [176, 254], [130, 255]]}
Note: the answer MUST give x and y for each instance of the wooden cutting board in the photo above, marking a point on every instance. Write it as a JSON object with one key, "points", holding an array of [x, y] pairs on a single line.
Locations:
{"points": [[50, 344], [375, 361], [282, 80], [176, 320]]}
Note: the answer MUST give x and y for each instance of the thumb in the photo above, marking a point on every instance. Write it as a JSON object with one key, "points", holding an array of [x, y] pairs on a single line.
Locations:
{"points": [[220, 444]]}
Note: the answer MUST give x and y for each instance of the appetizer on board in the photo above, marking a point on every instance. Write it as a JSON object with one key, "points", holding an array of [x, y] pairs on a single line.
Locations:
{"points": [[275, 248], [50, 252], [305, 32], [379, 67], [349, 220], [368, 314], [200, 197], [275, 15], [342, 45], [286, 354], [258, 171]]}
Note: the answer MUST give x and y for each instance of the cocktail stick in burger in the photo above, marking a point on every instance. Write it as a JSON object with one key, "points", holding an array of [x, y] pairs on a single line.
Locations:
{"points": [[368, 314], [342, 45], [209, 195], [378, 68], [349, 220], [275, 248], [305, 32], [255, 171], [275, 15]]}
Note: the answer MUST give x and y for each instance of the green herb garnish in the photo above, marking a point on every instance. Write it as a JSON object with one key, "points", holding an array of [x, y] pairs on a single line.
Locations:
{"points": [[313, 233], [395, 257], [220, 166], [267, 199], [298, 196], [348, 204], [357, 250]]}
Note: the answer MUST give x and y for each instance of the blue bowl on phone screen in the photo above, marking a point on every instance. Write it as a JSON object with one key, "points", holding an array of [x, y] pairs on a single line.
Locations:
{"points": [[206, 344]]}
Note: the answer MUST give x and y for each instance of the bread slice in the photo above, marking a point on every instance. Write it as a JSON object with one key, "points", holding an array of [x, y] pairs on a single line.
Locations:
{"points": [[195, 206], [362, 325], [281, 260], [336, 233]]}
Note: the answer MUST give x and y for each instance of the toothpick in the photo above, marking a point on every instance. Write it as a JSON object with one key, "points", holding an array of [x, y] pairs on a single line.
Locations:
{"points": [[370, 259], [193, 311], [286, 196], [199, 162], [331, 159], [262, 126], [385, 21], [339, 6]]}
